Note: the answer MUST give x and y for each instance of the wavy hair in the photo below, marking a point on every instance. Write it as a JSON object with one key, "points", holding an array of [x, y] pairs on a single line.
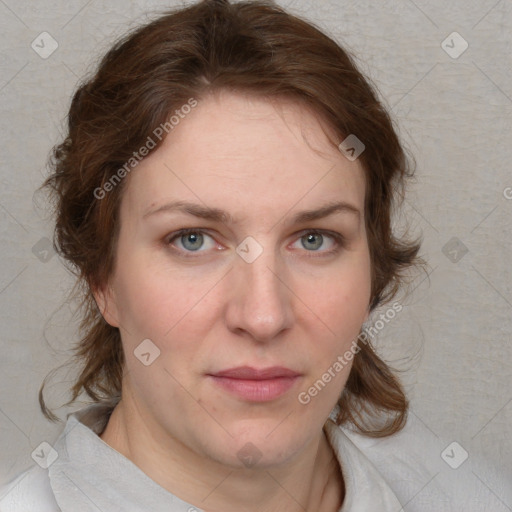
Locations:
{"points": [[258, 48]]}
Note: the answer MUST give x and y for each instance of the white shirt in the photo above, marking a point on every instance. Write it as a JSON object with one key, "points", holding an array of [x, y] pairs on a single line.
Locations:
{"points": [[90, 476]]}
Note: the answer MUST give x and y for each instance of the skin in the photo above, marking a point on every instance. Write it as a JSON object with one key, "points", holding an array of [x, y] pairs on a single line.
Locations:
{"points": [[296, 305]]}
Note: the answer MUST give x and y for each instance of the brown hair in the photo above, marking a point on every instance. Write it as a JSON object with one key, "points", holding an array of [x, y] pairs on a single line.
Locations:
{"points": [[258, 48]]}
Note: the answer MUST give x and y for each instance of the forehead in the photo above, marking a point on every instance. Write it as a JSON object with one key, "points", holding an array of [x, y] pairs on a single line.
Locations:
{"points": [[248, 154]]}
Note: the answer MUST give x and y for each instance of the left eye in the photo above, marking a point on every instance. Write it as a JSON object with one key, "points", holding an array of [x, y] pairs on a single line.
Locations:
{"points": [[314, 241]]}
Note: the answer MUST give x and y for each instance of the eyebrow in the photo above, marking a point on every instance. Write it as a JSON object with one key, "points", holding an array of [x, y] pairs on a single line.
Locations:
{"points": [[219, 215]]}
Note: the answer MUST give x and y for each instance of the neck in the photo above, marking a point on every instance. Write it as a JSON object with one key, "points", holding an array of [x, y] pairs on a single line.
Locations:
{"points": [[311, 482]]}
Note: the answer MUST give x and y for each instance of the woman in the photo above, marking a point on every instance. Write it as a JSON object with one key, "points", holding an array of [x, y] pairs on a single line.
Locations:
{"points": [[224, 194]]}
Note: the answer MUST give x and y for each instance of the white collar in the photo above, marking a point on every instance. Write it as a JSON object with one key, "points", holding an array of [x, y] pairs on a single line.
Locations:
{"points": [[89, 475], [365, 487]]}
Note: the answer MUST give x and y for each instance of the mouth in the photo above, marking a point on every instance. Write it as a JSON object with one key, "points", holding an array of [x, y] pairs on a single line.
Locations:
{"points": [[256, 385]]}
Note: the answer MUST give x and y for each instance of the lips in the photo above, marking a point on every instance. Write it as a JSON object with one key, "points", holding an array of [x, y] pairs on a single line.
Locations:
{"points": [[256, 385], [249, 373]]}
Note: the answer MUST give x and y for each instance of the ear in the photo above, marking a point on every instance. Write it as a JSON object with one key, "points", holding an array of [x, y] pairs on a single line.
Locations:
{"points": [[107, 304]]}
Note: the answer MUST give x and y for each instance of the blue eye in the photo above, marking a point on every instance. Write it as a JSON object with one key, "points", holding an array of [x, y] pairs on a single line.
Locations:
{"points": [[192, 240], [188, 241], [315, 241], [312, 241]]}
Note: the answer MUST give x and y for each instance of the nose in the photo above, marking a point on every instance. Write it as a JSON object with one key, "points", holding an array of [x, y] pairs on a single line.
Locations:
{"points": [[260, 301]]}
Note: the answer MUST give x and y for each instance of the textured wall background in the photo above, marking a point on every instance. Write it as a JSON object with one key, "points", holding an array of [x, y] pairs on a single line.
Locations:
{"points": [[454, 109]]}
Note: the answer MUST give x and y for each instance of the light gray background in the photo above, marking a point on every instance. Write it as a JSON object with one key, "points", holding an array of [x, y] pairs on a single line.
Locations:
{"points": [[453, 338]]}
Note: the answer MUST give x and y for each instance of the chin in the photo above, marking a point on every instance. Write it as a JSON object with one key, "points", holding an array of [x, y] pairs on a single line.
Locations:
{"points": [[261, 446]]}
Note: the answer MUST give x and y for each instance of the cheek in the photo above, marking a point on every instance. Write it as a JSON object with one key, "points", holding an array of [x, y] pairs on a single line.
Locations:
{"points": [[341, 312], [340, 300], [339, 307], [144, 305], [158, 303]]}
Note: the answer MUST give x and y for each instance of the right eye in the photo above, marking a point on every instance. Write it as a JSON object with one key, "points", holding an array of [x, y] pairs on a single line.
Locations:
{"points": [[191, 240]]}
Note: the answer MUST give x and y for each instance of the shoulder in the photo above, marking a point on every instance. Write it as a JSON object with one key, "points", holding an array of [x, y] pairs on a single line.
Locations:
{"points": [[410, 462], [29, 491], [34, 489]]}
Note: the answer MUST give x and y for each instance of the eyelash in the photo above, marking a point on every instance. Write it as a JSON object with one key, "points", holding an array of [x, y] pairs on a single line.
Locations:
{"points": [[338, 238]]}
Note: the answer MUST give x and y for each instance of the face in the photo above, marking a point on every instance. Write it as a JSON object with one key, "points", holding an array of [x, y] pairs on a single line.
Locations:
{"points": [[250, 306]]}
